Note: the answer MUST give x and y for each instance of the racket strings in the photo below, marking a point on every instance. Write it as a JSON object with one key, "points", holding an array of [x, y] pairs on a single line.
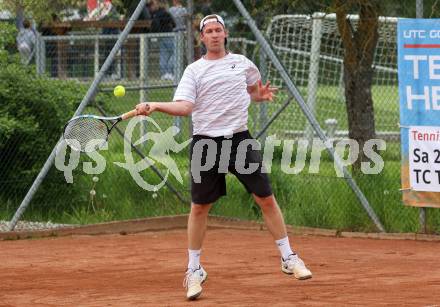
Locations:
{"points": [[86, 133]]}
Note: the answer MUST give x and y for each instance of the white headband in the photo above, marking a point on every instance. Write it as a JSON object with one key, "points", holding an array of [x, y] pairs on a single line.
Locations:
{"points": [[211, 18]]}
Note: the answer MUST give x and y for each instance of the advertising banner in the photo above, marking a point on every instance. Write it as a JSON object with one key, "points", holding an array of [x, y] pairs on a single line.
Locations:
{"points": [[419, 92]]}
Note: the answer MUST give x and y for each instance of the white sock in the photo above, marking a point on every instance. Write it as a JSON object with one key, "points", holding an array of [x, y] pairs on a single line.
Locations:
{"points": [[284, 247], [193, 259]]}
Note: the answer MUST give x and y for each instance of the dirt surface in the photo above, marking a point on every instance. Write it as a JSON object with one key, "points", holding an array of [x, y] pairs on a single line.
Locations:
{"points": [[146, 269]]}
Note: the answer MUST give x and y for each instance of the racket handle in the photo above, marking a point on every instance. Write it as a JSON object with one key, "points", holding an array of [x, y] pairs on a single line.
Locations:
{"points": [[128, 115]]}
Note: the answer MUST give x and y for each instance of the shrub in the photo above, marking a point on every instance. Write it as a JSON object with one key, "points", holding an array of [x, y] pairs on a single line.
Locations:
{"points": [[33, 112], [8, 33]]}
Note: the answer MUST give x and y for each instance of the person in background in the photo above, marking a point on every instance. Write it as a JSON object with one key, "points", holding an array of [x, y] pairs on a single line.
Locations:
{"points": [[131, 5], [163, 22], [106, 11], [198, 46], [179, 13], [206, 8], [130, 49], [111, 14], [26, 39], [51, 46]]}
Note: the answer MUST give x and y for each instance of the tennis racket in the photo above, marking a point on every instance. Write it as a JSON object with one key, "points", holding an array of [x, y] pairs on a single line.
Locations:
{"points": [[88, 133]]}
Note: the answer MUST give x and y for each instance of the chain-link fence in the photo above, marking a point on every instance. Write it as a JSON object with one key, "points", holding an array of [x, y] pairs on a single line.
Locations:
{"points": [[150, 65]]}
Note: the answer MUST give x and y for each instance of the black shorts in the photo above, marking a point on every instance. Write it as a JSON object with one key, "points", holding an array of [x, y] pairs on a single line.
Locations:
{"points": [[212, 158]]}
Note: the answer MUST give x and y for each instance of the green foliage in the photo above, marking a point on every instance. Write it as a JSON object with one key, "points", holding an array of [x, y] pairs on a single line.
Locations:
{"points": [[33, 111], [41, 11], [82, 215], [8, 33], [318, 200]]}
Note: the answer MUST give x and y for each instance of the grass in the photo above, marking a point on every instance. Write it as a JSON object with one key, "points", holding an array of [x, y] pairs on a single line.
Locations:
{"points": [[330, 104], [316, 200]]}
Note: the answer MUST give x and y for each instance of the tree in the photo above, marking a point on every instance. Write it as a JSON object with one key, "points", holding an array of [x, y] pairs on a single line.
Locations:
{"points": [[359, 48], [40, 11], [359, 44]]}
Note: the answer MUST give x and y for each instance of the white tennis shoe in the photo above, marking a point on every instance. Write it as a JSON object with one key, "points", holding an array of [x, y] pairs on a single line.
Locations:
{"points": [[294, 265], [193, 281]]}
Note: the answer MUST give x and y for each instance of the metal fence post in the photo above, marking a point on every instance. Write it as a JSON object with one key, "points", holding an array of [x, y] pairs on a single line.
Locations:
{"points": [[143, 76], [143, 67], [312, 84], [178, 66], [419, 8], [96, 56], [180, 61], [40, 56], [263, 107], [422, 212], [189, 32], [189, 56]]}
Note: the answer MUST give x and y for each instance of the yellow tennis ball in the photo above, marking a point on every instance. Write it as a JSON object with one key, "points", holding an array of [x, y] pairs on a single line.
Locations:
{"points": [[119, 91]]}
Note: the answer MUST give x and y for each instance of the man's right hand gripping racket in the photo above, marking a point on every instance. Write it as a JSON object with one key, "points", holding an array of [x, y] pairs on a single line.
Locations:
{"points": [[87, 133]]}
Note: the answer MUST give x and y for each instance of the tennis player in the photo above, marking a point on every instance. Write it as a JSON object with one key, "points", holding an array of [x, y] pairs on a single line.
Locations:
{"points": [[217, 90]]}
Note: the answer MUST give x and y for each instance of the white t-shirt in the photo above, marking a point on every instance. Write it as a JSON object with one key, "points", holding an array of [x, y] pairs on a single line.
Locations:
{"points": [[218, 90]]}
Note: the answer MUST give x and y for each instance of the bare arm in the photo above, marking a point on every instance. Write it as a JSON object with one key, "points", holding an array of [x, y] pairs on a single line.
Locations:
{"points": [[175, 108], [260, 92]]}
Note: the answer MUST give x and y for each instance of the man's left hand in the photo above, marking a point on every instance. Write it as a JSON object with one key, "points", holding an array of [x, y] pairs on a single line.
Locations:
{"points": [[260, 92]]}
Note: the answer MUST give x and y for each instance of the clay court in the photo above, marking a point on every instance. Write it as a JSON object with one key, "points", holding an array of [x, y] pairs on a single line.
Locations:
{"points": [[147, 269]]}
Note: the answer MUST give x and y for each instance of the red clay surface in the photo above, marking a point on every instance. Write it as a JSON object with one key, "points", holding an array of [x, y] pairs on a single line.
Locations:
{"points": [[147, 269]]}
